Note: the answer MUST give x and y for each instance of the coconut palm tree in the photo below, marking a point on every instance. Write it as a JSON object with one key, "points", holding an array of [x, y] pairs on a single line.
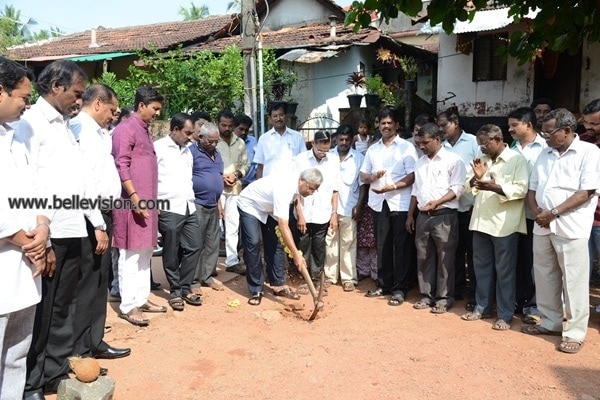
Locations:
{"points": [[194, 12], [12, 25]]}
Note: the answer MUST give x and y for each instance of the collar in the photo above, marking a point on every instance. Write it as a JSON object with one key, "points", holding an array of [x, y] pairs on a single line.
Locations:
{"points": [[86, 118], [49, 112]]}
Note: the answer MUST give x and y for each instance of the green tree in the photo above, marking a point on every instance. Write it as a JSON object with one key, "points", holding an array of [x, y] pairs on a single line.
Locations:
{"points": [[13, 31], [561, 25], [193, 12], [16, 27]]}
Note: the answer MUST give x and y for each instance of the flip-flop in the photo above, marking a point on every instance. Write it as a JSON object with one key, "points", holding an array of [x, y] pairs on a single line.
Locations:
{"points": [[150, 307], [137, 322], [563, 346], [501, 325], [421, 305], [439, 309]]}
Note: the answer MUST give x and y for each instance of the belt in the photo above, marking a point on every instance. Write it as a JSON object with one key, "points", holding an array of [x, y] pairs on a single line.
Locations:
{"points": [[441, 211]]}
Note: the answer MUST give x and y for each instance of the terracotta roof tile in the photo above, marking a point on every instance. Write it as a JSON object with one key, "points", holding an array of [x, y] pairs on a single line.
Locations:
{"points": [[289, 38], [161, 36]]}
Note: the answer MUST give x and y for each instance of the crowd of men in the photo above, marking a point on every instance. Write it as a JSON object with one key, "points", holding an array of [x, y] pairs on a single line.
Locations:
{"points": [[516, 219]]}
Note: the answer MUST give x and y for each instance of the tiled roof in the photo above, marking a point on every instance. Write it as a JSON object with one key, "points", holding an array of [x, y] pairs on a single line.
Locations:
{"points": [[306, 36], [161, 36]]}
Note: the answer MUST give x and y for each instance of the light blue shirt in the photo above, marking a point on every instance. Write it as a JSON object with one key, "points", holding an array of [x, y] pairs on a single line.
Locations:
{"points": [[467, 148], [251, 143]]}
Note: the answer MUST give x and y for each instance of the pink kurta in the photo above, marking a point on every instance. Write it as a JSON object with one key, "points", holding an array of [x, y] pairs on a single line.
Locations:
{"points": [[135, 159]]}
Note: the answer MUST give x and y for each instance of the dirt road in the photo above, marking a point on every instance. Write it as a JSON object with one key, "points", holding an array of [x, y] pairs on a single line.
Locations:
{"points": [[357, 348]]}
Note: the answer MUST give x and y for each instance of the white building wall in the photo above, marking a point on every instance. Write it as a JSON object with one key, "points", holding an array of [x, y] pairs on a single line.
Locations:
{"points": [[321, 89], [295, 13], [498, 98], [480, 99], [590, 74]]}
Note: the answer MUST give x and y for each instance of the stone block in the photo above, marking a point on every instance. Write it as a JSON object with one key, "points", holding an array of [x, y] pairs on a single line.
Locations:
{"points": [[102, 388]]}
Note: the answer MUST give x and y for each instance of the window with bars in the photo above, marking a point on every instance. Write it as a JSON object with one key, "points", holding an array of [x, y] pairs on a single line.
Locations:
{"points": [[487, 66]]}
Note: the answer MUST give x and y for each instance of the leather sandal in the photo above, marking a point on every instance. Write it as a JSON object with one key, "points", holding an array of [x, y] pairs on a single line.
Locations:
{"points": [[287, 293], [192, 299], [130, 317], [176, 303], [150, 307], [255, 299]]}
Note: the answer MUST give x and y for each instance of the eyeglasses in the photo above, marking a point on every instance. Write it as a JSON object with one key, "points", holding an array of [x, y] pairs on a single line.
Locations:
{"points": [[209, 141], [313, 188], [551, 133], [485, 145]]}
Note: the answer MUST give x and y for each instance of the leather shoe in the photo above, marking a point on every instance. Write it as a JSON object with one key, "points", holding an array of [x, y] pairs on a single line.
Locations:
{"points": [[376, 292], [33, 396], [111, 353]]}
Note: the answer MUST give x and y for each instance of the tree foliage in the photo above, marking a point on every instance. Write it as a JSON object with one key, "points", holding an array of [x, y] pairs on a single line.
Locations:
{"points": [[13, 31], [193, 12], [202, 80], [561, 25]]}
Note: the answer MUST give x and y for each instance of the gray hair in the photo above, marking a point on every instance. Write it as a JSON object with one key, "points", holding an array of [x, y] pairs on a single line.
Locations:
{"points": [[312, 176], [563, 118], [490, 130], [208, 128]]}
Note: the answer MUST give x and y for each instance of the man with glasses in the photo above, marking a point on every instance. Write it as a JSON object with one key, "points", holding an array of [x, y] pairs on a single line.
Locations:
{"points": [[262, 204], [499, 184], [561, 194], [207, 176]]}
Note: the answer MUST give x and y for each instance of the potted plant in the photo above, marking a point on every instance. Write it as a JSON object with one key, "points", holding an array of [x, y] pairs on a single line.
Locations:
{"points": [[410, 69], [290, 79], [356, 79], [375, 91]]}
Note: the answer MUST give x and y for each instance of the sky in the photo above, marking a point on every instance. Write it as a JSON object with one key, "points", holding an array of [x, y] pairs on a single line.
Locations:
{"points": [[72, 16]]}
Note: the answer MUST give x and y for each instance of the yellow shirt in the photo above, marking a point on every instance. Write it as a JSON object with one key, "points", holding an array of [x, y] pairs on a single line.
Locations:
{"points": [[235, 158], [501, 215]]}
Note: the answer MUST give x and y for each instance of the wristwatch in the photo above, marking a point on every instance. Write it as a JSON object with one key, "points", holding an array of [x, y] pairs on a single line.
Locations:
{"points": [[101, 228], [554, 212]]}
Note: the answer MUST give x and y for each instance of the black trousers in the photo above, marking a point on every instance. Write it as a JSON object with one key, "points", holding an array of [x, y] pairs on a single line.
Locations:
{"points": [[90, 313], [395, 248], [312, 245], [525, 281], [52, 341], [181, 249], [463, 259]]}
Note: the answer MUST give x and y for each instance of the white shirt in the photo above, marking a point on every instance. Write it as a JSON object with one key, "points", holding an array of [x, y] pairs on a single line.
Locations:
{"points": [[398, 160], [556, 177], [467, 148], [435, 176], [57, 165], [270, 195], [531, 152], [18, 288], [276, 152], [349, 188], [102, 178], [317, 208], [175, 175]]}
